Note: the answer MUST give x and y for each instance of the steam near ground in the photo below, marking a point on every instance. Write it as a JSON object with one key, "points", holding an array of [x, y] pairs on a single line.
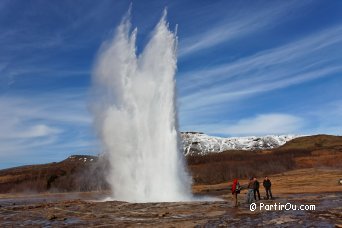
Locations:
{"points": [[136, 118]]}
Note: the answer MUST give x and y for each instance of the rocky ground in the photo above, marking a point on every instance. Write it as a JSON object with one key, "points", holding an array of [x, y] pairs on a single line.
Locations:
{"points": [[317, 187], [84, 210]]}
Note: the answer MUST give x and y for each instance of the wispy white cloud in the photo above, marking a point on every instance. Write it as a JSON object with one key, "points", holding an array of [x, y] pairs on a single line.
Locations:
{"points": [[237, 25], [273, 123], [297, 62], [65, 107], [35, 131], [32, 46], [262, 124], [324, 117], [38, 125], [29, 33]]}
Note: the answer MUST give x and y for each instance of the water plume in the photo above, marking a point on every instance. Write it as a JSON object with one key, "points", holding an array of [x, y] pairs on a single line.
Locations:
{"points": [[136, 116]]}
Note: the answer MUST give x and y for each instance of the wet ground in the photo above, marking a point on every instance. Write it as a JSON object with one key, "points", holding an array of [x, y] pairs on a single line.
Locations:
{"points": [[74, 210]]}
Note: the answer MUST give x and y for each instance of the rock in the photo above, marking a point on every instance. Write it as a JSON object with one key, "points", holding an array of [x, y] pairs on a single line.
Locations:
{"points": [[223, 225], [51, 217], [163, 214]]}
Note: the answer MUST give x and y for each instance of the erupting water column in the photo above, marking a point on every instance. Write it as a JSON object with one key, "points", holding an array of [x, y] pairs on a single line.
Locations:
{"points": [[136, 116]]}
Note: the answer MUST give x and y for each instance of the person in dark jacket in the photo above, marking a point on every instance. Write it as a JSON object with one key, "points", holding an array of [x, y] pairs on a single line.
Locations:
{"points": [[267, 185], [235, 191], [256, 186]]}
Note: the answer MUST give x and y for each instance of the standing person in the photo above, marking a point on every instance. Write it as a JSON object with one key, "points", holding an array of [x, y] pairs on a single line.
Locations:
{"points": [[236, 188], [256, 188], [250, 192], [267, 185]]}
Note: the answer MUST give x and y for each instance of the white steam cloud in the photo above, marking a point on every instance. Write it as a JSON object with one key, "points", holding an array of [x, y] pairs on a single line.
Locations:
{"points": [[136, 116]]}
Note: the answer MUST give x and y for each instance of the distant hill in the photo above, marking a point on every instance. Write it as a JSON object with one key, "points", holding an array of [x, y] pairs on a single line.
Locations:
{"points": [[76, 173], [314, 142], [323, 150], [87, 173]]}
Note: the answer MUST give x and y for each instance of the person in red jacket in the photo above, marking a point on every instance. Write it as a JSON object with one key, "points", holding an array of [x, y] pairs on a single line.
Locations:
{"points": [[235, 191]]}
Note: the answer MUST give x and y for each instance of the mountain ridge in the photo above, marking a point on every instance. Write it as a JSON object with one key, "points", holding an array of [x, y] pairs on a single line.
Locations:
{"points": [[198, 143]]}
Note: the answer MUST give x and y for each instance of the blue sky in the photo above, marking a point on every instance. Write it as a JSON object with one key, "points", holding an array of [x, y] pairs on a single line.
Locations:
{"points": [[244, 68]]}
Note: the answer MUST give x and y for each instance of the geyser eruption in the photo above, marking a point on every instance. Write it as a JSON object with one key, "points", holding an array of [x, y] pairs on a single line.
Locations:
{"points": [[136, 116]]}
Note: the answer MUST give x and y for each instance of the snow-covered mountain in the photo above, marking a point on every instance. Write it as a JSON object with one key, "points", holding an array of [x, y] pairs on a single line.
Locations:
{"points": [[199, 143]]}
